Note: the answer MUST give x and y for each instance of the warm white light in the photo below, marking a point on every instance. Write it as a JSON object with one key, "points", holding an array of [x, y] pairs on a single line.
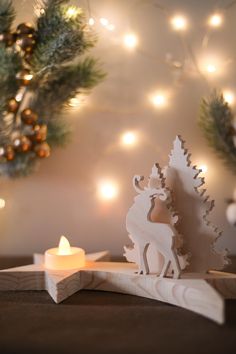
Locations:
{"points": [[77, 101], [91, 21], [203, 168], [111, 27], [108, 190], [73, 12], [179, 23], [19, 96], [2, 203], [128, 139], [158, 100], [228, 97], [215, 20], [64, 247], [104, 21], [211, 68], [130, 41]]}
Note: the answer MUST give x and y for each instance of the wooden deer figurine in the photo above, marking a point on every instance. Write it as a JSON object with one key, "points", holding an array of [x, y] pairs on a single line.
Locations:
{"points": [[150, 229]]}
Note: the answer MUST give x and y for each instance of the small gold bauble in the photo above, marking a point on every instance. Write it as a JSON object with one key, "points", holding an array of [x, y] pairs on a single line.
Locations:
{"points": [[12, 105], [9, 153], [42, 150], [25, 28], [40, 133], [24, 77], [8, 38], [22, 144], [26, 42], [28, 116]]}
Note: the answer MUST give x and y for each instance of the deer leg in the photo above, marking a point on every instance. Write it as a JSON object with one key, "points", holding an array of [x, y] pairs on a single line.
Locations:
{"points": [[143, 264], [165, 267], [175, 265]]}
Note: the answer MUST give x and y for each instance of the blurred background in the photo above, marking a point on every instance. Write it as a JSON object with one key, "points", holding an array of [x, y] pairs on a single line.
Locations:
{"points": [[128, 123]]}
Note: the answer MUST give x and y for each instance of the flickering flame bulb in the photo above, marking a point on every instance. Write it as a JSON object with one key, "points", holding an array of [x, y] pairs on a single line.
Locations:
{"points": [[158, 100], [2, 203], [203, 168], [215, 20], [104, 21], [211, 68], [228, 97], [130, 41], [108, 190], [179, 23], [91, 21], [64, 246], [128, 139]]}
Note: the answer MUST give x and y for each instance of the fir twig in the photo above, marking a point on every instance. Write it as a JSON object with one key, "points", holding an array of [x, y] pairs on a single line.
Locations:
{"points": [[63, 84], [7, 15], [216, 121]]}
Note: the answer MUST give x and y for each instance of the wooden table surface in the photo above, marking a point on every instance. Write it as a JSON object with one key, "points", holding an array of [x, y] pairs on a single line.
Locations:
{"points": [[100, 322]]}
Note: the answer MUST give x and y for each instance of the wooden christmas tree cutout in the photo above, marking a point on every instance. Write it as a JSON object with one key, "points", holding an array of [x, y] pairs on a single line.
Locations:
{"points": [[172, 253]]}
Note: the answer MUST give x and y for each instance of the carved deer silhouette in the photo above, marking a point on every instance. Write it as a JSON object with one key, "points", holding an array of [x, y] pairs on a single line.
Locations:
{"points": [[145, 232]]}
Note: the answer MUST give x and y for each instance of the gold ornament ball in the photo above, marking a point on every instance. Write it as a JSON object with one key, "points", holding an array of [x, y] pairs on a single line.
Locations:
{"points": [[24, 77], [28, 116], [12, 105], [42, 150], [40, 133], [8, 38], [9, 153], [25, 28], [26, 43], [22, 144]]}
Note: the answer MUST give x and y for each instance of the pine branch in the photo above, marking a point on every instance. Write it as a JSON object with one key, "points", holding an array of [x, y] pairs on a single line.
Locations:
{"points": [[59, 132], [58, 88], [60, 38], [10, 64], [23, 165], [216, 121], [7, 15]]}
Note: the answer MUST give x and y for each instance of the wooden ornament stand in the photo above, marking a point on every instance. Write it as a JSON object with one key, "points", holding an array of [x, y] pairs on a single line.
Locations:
{"points": [[161, 270], [200, 293]]}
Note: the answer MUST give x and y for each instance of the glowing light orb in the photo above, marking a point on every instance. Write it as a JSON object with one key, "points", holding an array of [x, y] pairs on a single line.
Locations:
{"points": [[215, 20], [211, 68], [129, 139], [2, 203], [108, 190], [203, 168], [228, 97], [91, 21], [179, 23], [130, 41], [158, 100]]}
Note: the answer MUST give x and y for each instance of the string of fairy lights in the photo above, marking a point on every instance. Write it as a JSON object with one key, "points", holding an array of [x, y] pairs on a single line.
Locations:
{"points": [[108, 189]]}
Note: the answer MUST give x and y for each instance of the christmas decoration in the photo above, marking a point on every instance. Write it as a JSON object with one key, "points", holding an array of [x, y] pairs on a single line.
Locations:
{"points": [[174, 237], [231, 210], [151, 222], [40, 71], [217, 122]]}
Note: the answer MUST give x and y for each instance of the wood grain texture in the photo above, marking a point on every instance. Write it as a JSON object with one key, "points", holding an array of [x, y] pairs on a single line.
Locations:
{"points": [[200, 293]]}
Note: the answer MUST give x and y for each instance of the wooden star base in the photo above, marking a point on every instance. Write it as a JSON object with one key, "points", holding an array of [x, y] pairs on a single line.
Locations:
{"points": [[200, 293]]}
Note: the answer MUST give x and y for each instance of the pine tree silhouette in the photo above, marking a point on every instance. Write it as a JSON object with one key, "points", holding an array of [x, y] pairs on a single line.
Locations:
{"points": [[193, 207]]}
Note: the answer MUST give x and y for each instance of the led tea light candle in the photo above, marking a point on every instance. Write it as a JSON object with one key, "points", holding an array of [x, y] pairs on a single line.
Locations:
{"points": [[64, 256]]}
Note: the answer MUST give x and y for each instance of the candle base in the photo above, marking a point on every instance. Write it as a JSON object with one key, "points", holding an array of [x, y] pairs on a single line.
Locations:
{"points": [[54, 261]]}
